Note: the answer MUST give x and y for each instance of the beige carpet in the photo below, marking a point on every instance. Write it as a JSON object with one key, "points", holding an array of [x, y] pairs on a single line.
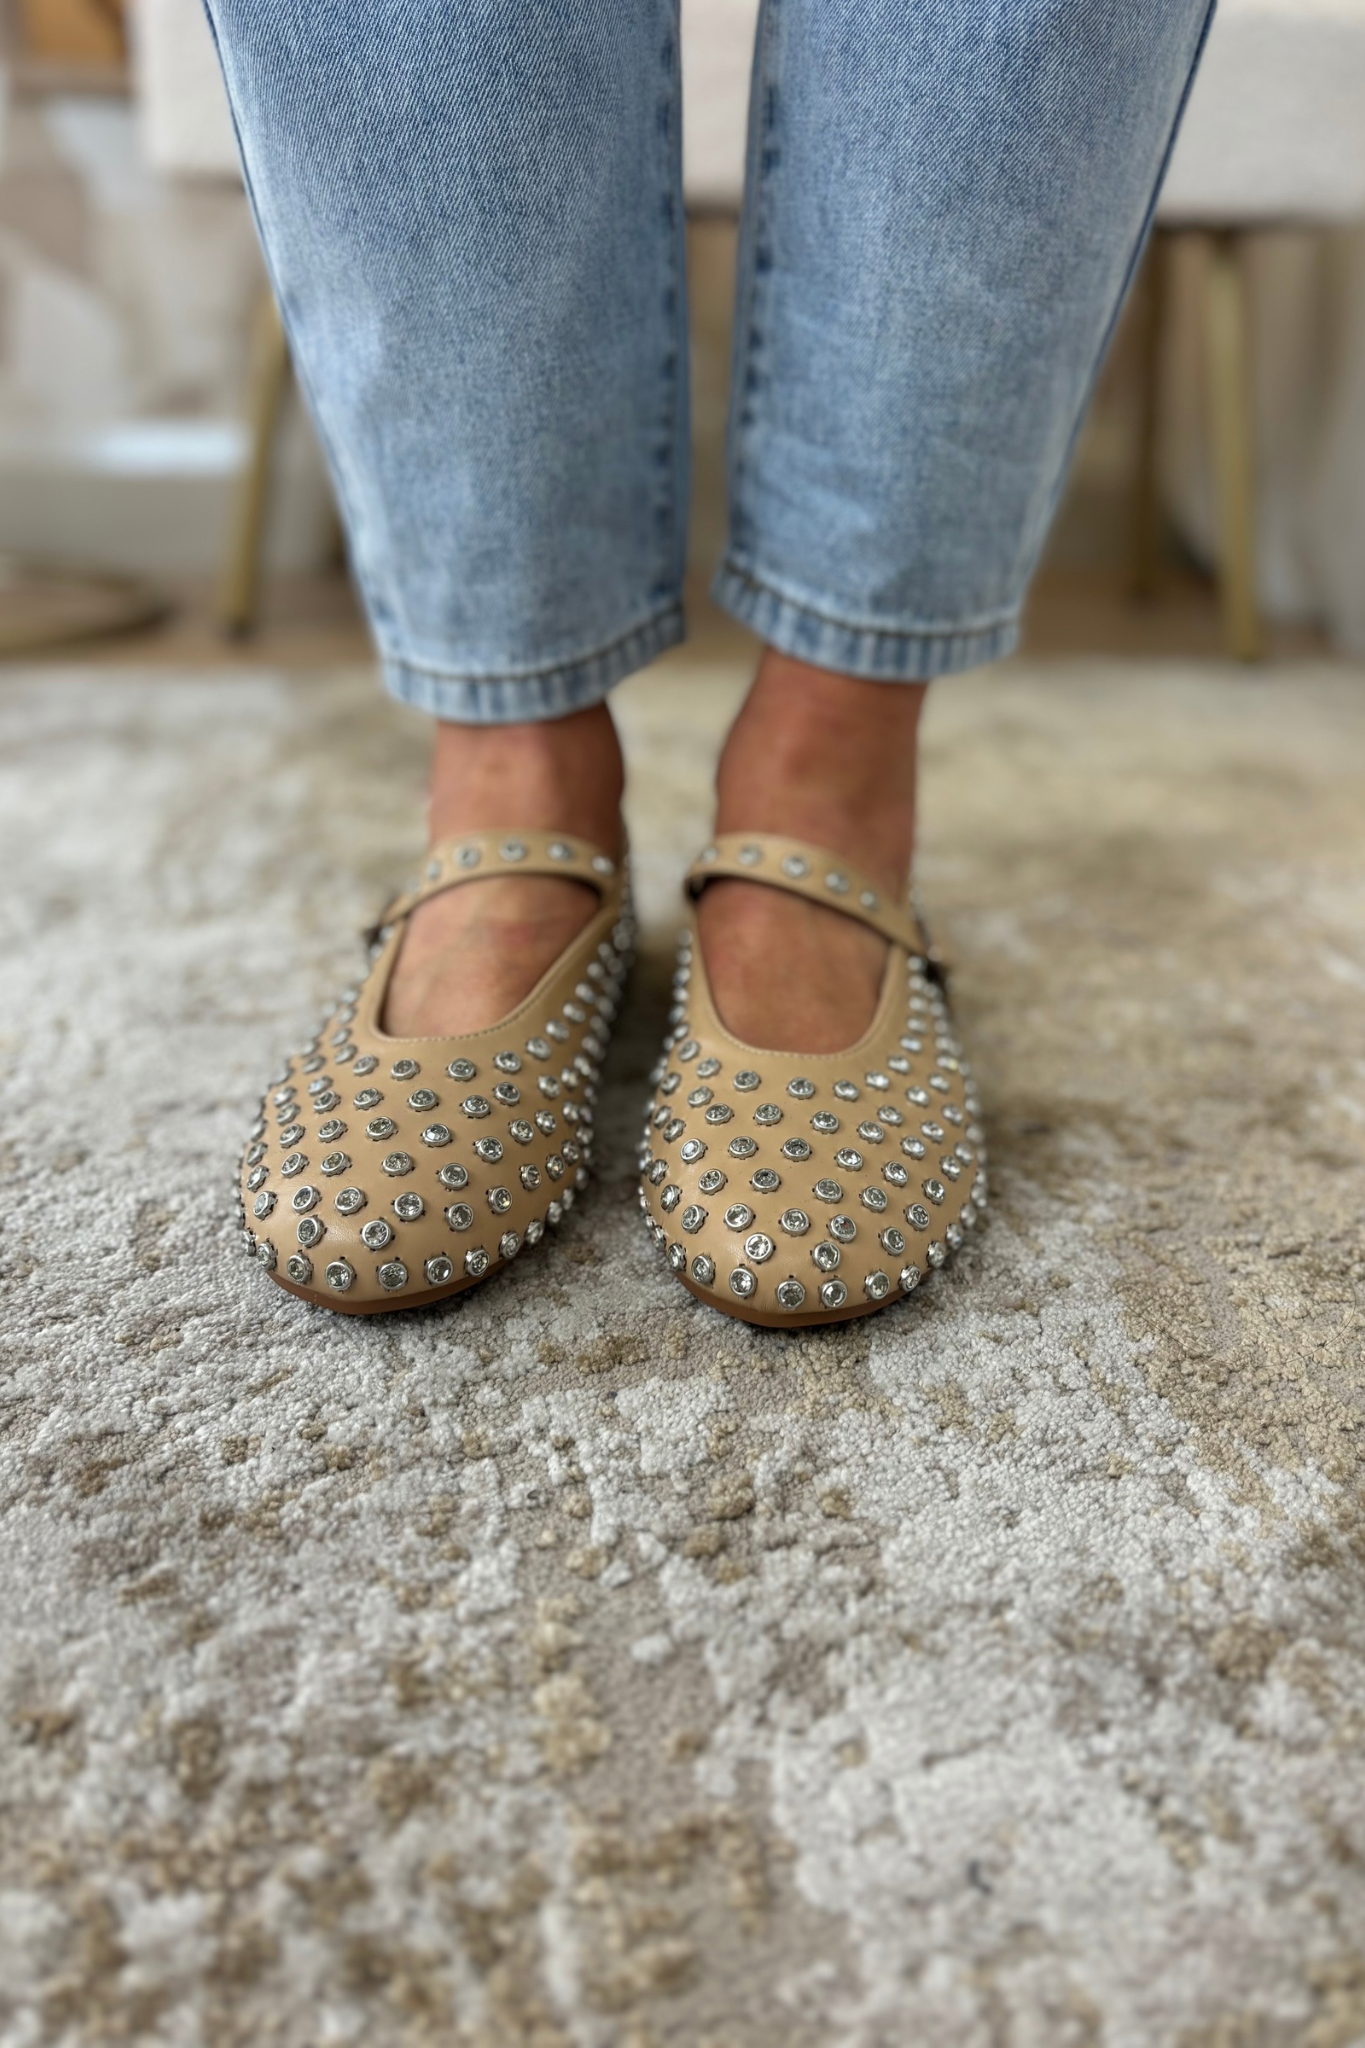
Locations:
{"points": [[572, 1666]]}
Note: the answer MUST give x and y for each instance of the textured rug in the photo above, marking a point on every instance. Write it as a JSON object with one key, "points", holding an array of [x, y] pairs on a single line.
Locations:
{"points": [[574, 1666]]}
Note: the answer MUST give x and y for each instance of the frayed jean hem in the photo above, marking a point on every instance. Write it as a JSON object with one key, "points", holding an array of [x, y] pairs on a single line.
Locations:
{"points": [[514, 699], [881, 654]]}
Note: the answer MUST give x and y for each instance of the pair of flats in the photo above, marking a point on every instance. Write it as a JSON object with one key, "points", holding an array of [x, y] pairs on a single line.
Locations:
{"points": [[781, 1188]]}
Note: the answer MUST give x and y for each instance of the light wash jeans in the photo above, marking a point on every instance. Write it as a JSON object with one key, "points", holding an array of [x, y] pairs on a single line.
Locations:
{"points": [[472, 214]]}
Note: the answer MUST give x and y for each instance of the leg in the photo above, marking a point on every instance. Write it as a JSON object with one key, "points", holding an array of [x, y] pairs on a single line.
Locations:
{"points": [[945, 205], [473, 224], [1233, 461]]}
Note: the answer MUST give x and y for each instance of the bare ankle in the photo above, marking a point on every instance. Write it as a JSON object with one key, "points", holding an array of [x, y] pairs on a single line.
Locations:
{"points": [[554, 775]]}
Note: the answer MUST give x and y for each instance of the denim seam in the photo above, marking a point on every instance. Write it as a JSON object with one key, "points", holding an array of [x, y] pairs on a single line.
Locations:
{"points": [[878, 653], [754, 218], [774, 587], [496, 678]]}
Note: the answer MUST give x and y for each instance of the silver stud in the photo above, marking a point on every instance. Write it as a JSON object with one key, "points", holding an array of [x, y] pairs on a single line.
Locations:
{"points": [[539, 1049], [366, 1064], [688, 1050], [712, 1181], [509, 1244], [936, 1254], [438, 1270], [459, 1216], [742, 1282], [292, 1135], [746, 1080], [918, 1215], [476, 1262], [691, 1151], [703, 1270], [692, 1218], [453, 1176], [469, 856], [554, 1166], [956, 1236], [739, 1217], [751, 855], [934, 1131], [339, 1275], [847, 1091], [767, 1113], [837, 882], [867, 899], [333, 1129], [436, 1135], [895, 1174], [876, 1286], [802, 1090], [397, 1163], [377, 1233], [909, 1278], [677, 1258], [405, 1070], [833, 1294], [521, 1130], [602, 866], [499, 1200], [892, 1241], [796, 1148], [826, 1190], [758, 1246], [872, 1134], [535, 1230], [934, 1189], [913, 1148], [790, 1293], [559, 849], [742, 1148], [529, 1176], [674, 1129], [293, 1166], [263, 1205], [699, 1097], [707, 1069], [842, 1227], [512, 849], [850, 1160], [349, 1201], [311, 1231], [369, 1098], [299, 1267], [825, 1256], [381, 1127], [407, 1208], [489, 1149], [873, 1198], [795, 865], [949, 1168], [795, 1222], [657, 1171], [265, 1254], [423, 1098], [670, 1198], [392, 1275], [305, 1198], [719, 1113], [475, 1106], [766, 1181], [825, 1122]]}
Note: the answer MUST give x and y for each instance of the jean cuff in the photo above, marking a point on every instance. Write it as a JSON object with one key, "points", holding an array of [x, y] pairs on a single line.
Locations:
{"points": [[520, 696], [909, 654]]}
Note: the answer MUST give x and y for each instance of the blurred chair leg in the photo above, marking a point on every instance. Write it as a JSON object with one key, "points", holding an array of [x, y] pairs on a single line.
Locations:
{"points": [[1146, 534], [1228, 340], [240, 581]]}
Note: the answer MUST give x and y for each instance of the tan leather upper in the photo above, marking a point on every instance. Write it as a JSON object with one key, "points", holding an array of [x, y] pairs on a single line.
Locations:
{"points": [[382, 1169], [771, 1176]]}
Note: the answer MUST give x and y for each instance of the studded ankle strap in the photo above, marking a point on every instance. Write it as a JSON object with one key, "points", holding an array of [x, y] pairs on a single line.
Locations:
{"points": [[812, 872], [507, 851]]}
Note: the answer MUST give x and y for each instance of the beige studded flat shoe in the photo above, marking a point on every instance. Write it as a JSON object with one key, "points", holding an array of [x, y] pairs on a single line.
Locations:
{"points": [[789, 1188], [387, 1172]]}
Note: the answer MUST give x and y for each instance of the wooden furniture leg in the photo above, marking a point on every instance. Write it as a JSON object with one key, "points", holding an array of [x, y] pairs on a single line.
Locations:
{"points": [[1228, 344], [1145, 539], [240, 580]]}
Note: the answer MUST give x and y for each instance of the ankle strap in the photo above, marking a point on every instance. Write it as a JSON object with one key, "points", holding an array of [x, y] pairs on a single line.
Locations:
{"points": [[513, 850], [810, 871]]}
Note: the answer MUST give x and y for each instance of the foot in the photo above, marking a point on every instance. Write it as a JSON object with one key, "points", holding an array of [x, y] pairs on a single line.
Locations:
{"points": [[473, 953], [829, 759]]}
